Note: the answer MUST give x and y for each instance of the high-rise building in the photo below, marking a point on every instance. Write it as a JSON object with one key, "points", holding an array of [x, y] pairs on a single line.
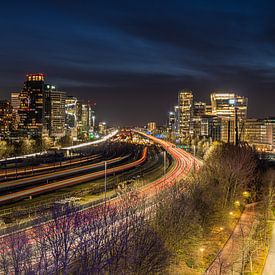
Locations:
{"points": [[232, 109], [151, 126], [15, 103], [185, 112], [198, 112], [211, 127], [171, 122], [6, 118], [199, 109], [71, 107], [31, 111], [102, 128], [71, 112], [54, 111]]}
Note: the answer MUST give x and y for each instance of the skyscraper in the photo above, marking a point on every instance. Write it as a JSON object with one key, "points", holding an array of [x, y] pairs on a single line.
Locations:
{"points": [[54, 111], [31, 111], [151, 126], [232, 109], [6, 118], [15, 103], [185, 113]]}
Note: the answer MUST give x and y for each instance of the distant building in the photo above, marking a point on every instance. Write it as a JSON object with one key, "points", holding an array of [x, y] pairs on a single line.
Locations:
{"points": [[15, 103], [71, 111], [54, 119], [171, 127], [6, 118], [230, 108], [270, 122], [102, 128], [256, 133], [198, 111], [31, 111], [208, 110], [85, 115], [211, 127], [151, 126], [185, 113], [260, 133]]}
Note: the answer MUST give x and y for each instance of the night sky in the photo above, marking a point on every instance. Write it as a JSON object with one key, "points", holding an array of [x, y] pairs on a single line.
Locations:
{"points": [[131, 57]]}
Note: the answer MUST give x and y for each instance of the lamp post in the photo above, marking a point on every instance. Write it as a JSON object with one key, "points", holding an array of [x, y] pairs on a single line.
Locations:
{"points": [[164, 162], [105, 181], [236, 126]]}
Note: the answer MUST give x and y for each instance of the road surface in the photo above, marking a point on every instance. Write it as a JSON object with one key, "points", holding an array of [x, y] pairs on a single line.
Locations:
{"points": [[71, 181], [55, 175]]}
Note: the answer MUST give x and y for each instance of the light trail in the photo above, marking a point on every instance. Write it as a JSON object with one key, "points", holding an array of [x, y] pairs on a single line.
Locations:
{"points": [[105, 138], [92, 142], [72, 181], [45, 167], [55, 175]]}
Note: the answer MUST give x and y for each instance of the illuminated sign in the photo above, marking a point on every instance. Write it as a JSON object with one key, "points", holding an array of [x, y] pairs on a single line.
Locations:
{"points": [[231, 101], [35, 77]]}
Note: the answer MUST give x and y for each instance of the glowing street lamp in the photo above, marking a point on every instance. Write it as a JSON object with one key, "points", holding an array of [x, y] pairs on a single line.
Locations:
{"points": [[237, 203]]}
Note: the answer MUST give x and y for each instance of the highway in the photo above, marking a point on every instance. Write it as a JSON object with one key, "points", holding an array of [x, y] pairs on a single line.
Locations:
{"points": [[55, 175], [71, 181], [183, 162], [45, 167]]}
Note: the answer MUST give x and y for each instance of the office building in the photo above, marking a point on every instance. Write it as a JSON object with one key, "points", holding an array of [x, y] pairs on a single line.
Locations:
{"points": [[31, 110], [199, 109], [256, 133], [102, 128], [6, 119], [70, 112], [232, 109], [15, 103], [260, 133], [171, 127], [151, 126], [185, 113], [270, 122], [54, 120]]}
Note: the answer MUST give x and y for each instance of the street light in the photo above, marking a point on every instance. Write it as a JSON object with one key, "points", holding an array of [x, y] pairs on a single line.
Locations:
{"points": [[105, 180], [237, 203]]}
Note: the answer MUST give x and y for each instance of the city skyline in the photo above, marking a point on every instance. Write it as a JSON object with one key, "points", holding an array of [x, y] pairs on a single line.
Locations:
{"points": [[128, 57]]}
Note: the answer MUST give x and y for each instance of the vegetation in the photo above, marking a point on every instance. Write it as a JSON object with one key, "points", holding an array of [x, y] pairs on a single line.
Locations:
{"points": [[24, 146]]}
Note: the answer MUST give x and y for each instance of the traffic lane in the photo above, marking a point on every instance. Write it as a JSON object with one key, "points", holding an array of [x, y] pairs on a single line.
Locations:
{"points": [[45, 167], [57, 174], [76, 180]]}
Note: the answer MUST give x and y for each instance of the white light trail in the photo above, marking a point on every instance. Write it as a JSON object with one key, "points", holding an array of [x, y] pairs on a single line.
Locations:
{"points": [[66, 148], [93, 142]]}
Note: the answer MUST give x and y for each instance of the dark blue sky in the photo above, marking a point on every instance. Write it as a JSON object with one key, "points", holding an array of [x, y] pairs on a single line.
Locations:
{"points": [[132, 57]]}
